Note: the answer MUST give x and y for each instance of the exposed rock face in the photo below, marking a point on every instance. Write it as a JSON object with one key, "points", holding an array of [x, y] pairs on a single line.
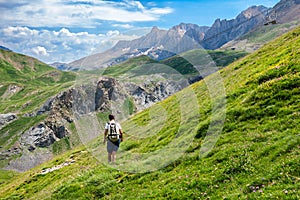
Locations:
{"points": [[287, 11], [107, 90], [161, 44], [223, 31], [39, 136], [150, 92], [94, 97], [35, 145], [6, 118], [158, 44], [191, 30], [11, 90], [51, 129], [29, 159]]}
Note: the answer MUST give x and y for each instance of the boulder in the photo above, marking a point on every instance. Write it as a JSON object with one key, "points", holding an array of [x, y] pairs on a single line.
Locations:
{"points": [[7, 118]]}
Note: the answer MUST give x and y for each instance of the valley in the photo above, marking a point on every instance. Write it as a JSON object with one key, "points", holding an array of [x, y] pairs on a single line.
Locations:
{"points": [[256, 154], [208, 112]]}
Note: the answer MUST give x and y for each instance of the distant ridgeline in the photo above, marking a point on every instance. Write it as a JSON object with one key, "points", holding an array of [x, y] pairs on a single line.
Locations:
{"points": [[4, 48], [226, 34]]}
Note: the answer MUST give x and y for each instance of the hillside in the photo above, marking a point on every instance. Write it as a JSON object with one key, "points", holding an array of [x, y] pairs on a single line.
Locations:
{"points": [[261, 35], [38, 101], [255, 156], [24, 80], [221, 58], [25, 85]]}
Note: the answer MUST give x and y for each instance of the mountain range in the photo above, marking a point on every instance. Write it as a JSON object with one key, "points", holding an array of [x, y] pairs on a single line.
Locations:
{"points": [[257, 151], [162, 44], [198, 143]]}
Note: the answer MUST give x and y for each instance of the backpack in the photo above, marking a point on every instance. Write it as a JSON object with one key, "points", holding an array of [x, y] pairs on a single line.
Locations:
{"points": [[113, 131]]}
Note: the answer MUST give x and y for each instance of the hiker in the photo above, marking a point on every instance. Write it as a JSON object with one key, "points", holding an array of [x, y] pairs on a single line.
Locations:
{"points": [[113, 136]]}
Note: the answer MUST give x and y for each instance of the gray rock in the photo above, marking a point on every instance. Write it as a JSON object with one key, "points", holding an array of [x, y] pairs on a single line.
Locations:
{"points": [[38, 136], [7, 118], [223, 31], [29, 160], [97, 96], [150, 92]]}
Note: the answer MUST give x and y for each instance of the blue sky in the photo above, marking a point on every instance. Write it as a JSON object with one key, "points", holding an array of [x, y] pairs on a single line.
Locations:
{"points": [[65, 30]]}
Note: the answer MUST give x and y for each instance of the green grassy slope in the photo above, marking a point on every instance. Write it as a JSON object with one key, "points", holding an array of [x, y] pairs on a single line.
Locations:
{"points": [[122, 68], [25, 85], [255, 157], [36, 82], [221, 58]]}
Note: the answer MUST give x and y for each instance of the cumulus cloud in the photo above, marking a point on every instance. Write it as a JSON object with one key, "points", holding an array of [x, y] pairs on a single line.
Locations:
{"points": [[23, 23], [113, 33], [72, 13], [19, 32], [40, 51], [59, 46]]}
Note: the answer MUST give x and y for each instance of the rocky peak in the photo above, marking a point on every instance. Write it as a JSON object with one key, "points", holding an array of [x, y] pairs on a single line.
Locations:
{"points": [[286, 11], [154, 29], [175, 39], [223, 31], [252, 12], [192, 31]]}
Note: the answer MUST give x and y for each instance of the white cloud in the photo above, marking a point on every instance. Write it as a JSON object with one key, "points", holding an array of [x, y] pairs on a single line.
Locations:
{"points": [[62, 46], [127, 26], [70, 13], [159, 11], [19, 32], [19, 16], [113, 33], [134, 4], [40, 51]]}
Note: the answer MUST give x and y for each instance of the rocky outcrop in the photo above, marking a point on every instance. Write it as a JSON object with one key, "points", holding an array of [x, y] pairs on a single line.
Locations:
{"points": [[223, 31], [28, 159], [150, 92], [94, 97], [107, 90], [38, 136], [62, 109], [6, 119], [11, 90], [286, 11]]}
